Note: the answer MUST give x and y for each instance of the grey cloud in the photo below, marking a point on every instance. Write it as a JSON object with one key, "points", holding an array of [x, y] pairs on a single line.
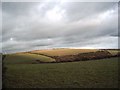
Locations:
{"points": [[53, 24], [79, 10]]}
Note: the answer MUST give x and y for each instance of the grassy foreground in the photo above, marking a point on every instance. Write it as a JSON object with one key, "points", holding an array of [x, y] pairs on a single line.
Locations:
{"points": [[83, 74]]}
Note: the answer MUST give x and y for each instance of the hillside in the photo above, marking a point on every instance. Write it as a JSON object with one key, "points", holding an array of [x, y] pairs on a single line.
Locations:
{"points": [[90, 74], [62, 52], [26, 58], [95, 69], [59, 55]]}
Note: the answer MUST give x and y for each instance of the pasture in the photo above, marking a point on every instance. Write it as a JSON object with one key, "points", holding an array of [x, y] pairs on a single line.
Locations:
{"points": [[26, 58], [114, 52], [84, 74], [34, 70]]}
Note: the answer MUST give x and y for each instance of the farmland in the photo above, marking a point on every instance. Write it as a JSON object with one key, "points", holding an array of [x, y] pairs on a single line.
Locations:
{"points": [[63, 52], [114, 52], [24, 71], [26, 58], [65, 55]]}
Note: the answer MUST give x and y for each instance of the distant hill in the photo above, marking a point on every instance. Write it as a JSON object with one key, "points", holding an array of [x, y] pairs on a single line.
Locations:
{"points": [[62, 52]]}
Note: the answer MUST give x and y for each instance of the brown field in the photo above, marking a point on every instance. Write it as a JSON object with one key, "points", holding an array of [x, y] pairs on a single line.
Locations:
{"points": [[63, 52]]}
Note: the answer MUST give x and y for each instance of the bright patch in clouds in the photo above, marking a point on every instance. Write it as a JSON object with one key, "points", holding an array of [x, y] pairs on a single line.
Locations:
{"points": [[11, 39], [56, 14], [106, 14]]}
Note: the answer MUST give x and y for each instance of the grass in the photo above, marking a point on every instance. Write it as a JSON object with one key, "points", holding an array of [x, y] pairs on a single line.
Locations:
{"points": [[26, 58], [62, 52], [114, 52], [83, 74]]}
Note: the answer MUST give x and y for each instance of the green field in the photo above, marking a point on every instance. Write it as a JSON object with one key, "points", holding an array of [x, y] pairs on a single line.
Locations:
{"points": [[26, 58], [83, 74], [114, 52]]}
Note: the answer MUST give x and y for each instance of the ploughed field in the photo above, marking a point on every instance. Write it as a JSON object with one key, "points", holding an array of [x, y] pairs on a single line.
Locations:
{"points": [[40, 69]]}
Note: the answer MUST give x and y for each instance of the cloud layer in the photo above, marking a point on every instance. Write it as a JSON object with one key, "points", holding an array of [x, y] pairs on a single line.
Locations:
{"points": [[29, 26]]}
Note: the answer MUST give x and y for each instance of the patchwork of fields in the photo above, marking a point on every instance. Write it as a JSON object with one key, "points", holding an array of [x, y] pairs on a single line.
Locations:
{"points": [[24, 70], [63, 52]]}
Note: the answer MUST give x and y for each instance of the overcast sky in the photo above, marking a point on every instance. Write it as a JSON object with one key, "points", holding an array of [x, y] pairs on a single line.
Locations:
{"points": [[30, 26]]}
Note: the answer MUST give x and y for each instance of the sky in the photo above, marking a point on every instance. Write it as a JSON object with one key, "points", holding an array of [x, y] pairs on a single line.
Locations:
{"points": [[43, 25]]}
